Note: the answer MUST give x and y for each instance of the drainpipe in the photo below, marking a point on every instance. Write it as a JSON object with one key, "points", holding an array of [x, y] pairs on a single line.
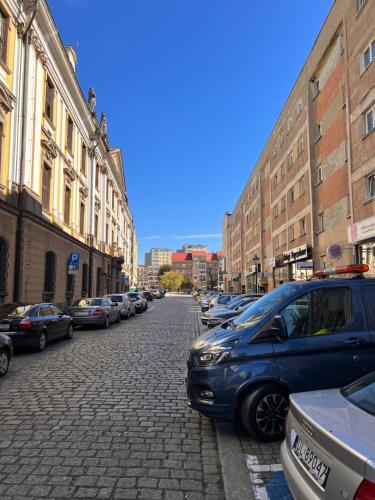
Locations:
{"points": [[19, 231]]}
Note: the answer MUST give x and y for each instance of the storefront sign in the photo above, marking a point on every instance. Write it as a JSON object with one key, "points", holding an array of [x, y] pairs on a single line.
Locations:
{"points": [[335, 251], [272, 262], [298, 253], [305, 265], [362, 230]]}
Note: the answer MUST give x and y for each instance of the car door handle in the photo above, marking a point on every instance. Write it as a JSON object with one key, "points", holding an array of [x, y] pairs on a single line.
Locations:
{"points": [[352, 341]]}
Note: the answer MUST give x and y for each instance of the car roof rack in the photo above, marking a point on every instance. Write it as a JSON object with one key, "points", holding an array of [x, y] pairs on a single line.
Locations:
{"points": [[357, 269]]}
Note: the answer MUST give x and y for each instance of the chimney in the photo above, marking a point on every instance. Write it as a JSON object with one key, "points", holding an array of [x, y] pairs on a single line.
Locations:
{"points": [[71, 56]]}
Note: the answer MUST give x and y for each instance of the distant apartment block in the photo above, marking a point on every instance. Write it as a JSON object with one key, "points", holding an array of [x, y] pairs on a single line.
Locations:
{"points": [[156, 258], [203, 269], [143, 277]]}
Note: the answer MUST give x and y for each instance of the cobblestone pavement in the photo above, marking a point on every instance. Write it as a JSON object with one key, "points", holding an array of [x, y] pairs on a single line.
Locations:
{"points": [[105, 416]]}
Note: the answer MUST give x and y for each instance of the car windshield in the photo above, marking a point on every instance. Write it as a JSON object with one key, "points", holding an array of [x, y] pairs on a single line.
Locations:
{"points": [[255, 312], [234, 302], [115, 298], [134, 295], [87, 302], [15, 310], [361, 393]]}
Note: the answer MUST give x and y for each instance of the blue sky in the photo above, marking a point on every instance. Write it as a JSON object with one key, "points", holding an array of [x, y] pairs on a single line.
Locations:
{"points": [[191, 90]]}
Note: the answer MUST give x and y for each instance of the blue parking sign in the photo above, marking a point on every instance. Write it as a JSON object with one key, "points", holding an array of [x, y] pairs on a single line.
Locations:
{"points": [[74, 259]]}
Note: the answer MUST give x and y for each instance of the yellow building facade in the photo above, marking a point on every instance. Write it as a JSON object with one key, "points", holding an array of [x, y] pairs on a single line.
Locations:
{"points": [[62, 185]]}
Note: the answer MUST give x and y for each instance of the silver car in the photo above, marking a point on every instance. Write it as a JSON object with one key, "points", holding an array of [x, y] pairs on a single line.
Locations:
{"points": [[126, 306], [99, 311], [329, 450]]}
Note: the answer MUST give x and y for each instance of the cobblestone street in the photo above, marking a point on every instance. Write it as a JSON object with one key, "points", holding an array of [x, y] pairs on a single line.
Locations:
{"points": [[105, 416]]}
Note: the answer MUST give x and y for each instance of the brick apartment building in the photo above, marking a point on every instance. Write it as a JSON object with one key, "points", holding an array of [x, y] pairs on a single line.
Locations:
{"points": [[314, 182], [202, 268], [143, 277]]}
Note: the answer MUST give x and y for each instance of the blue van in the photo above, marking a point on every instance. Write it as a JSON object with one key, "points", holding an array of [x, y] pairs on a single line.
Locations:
{"points": [[302, 336]]}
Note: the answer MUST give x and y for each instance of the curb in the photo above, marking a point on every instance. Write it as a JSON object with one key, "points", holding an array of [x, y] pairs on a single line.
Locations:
{"points": [[236, 478]]}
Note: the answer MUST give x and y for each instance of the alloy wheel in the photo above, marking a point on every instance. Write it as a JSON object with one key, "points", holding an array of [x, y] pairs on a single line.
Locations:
{"points": [[42, 341], [271, 414], [4, 363]]}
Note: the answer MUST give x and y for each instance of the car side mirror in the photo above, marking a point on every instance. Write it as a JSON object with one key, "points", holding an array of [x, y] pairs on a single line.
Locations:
{"points": [[278, 329]]}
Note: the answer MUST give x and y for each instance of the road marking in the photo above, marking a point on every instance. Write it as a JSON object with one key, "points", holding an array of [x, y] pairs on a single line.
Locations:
{"points": [[267, 481], [150, 309]]}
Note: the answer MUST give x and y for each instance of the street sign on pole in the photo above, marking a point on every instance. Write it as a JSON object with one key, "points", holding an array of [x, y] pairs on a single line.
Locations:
{"points": [[335, 251], [73, 263]]}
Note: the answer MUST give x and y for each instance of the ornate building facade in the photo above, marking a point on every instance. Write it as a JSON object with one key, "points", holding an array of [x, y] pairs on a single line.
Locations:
{"points": [[62, 186]]}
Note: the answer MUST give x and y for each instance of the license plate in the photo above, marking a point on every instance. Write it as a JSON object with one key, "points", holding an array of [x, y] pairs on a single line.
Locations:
{"points": [[81, 314], [4, 326], [316, 468]]}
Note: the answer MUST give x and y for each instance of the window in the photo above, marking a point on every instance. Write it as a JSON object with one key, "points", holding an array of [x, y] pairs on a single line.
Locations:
{"points": [[46, 187], [4, 256], [96, 226], [98, 280], [283, 204], [299, 107], [370, 120], [291, 233], [50, 96], [113, 199], [282, 171], [106, 233], [67, 199], [370, 187], [274, 152], [69, 134], [290, 160], [318, 131], [107, 191], [289, 126], [82, 218], [300, 146], [276, 242], [49, 275], [367, 56], [318, 176], [83, 158], [3, 36], [282, 137], [85, 279], [301, 185], [320, 222], [97, 172], [283, 238], [323, 312], [274, 181], [275, 211], [314, 85], [291, 196], [302, 227], [44, 311], [370, 301]]}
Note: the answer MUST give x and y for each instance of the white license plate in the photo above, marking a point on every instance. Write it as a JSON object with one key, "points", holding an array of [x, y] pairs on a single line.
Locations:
{"points": [[81, 314], [4, 326], [317, 469]]}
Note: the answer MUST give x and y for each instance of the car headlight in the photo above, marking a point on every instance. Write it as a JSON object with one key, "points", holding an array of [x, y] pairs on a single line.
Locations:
{"points": [[214, 356]]}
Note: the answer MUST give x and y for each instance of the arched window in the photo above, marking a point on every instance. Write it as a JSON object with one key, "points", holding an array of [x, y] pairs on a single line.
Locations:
{"points": [[4, 258], [98, 280], [85, 280], [49, 276]]}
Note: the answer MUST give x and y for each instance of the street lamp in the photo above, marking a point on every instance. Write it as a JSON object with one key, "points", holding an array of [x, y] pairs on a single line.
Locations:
{"points": [[255, 260]]}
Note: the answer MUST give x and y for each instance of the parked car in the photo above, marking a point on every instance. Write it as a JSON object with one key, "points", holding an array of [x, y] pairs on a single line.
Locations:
{"points": [[329, 448], [156, 294], [147, 295], [98, 311], [227, 309], [218, 316], [162, 291], [304, 335], [34, 325], [126, 307], [139, 302], [222, 299], [205, 302], [6, 351]]}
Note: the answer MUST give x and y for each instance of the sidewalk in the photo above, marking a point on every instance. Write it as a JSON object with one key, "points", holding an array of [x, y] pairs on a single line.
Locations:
{"points": [[250, 470]]}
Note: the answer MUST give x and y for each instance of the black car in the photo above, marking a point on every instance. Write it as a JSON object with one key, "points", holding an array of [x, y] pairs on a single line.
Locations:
{"points": [[34, 325], [6, 351], [147, 295]]}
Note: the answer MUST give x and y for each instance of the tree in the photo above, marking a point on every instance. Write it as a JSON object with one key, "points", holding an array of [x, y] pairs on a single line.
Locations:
{"points": [[187, 285], [164, 269], [171, 280]]}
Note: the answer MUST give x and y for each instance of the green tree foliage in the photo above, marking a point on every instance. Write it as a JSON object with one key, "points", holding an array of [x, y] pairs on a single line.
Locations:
{"points": [[187, 285], [171, 280], [164, 269]]}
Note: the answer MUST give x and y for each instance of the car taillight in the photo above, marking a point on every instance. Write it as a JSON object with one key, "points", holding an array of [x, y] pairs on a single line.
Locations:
{"points": [[366, 491], [211, 306], [25, 324], [97, 312]]}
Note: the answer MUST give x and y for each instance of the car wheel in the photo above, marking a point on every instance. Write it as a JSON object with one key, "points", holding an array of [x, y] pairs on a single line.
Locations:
{"points": [[264, 411], [146, 306], [118, 318], [106, 322], [42, 341], [4, 362], [70, 332], [127, 314]]}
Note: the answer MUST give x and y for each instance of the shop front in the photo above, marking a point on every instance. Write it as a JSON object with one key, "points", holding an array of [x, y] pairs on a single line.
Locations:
{"points": [[293, 265], [362, 236]]}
